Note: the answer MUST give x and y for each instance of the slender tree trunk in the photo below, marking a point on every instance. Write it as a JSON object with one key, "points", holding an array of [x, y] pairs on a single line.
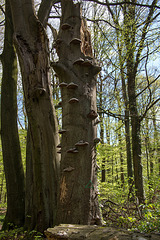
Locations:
{"points": [[109, 158], [103, 179], [125, 99], [128, 148], [136, 149], [135, 124], [129, 36], [146, 147], [120, 140], [32, 48], [121, 158], [10, 140], [78, 198]]}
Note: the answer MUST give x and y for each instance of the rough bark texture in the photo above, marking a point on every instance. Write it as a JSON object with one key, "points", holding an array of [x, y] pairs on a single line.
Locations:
{"points": [[10, 140], [32, 48], [78, 198]]}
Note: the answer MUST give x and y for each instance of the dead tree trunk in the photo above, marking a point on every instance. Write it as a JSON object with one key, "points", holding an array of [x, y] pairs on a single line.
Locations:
{"points": [[76, 68]]}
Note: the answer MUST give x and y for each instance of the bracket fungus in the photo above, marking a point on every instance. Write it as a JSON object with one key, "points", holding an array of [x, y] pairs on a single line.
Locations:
{"points": [[75, 41], [63, 84], [59, 146], [79, 61], [87, 63], [61, 131], [92, 115], [72, 150], [73, 100], [81, 143], [65, 26], [68, 169], [72, 85]]}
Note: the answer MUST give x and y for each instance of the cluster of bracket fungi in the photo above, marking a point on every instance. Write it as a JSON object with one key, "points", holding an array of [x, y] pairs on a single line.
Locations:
{"points": [[87, 61], [92, 114]]}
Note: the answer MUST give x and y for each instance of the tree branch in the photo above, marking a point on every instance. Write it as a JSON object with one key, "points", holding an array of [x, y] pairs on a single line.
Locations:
{"points": [[148, 108], [144, 32], [149, 84], [1, 8], [44, 10], [124, 2]]}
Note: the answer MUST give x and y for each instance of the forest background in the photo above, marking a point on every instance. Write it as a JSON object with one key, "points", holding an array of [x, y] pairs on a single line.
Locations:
{"points": [[125, 39]]}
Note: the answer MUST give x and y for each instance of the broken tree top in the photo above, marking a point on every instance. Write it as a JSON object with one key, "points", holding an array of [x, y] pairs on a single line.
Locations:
{"points": [[94, 232]]}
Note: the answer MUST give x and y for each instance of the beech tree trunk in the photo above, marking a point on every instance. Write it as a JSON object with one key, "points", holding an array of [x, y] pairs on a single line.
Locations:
{"points": [[32, 49], [76, 68], [126, 101], [12, 160], [129, 36]]}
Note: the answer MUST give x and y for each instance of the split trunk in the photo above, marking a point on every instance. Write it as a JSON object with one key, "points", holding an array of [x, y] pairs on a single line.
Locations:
{"points": [[76, 68]]}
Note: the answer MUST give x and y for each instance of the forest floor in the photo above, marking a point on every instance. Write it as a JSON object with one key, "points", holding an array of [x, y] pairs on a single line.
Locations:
{"points": [[111, 226]]}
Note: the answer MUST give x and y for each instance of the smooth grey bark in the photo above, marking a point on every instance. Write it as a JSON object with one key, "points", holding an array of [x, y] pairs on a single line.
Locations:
{"points": [[32, 48], [12, 160], [44, 10], [78, 197]]}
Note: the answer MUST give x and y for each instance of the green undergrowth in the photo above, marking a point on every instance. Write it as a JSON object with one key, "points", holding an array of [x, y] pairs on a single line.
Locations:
{"points": [[16, 233], [120, 211], [19, 233], [2, 213]]}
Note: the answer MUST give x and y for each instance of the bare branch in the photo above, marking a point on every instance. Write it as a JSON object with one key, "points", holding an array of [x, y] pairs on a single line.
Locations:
{"points": [[147, 109], [124, 2], [149, 84], [1, 8], [144, 32], [150, 93], [44, 10]]}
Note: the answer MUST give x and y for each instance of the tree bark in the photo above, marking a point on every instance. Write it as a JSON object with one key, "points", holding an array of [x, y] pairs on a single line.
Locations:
{"points": [[32, 48], [103, 177], [129, 36], [78, 198], [12, 160], [126, 101]]}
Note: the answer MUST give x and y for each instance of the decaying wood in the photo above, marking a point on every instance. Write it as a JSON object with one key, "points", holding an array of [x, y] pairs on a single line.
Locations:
{"points": [[86, 46], [77, 69]]}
